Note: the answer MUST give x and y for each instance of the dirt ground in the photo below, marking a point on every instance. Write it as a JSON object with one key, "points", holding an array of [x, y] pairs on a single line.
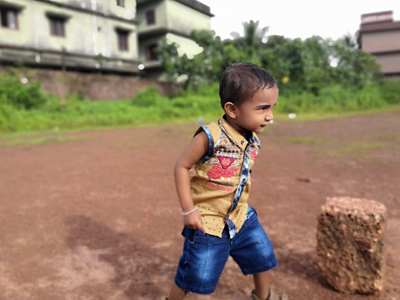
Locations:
{"points": [[94, 215]]}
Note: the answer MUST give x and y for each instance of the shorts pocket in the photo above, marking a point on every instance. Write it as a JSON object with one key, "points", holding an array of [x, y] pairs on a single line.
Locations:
{"points": [[197, 237], [192, 234], [189, 234]]}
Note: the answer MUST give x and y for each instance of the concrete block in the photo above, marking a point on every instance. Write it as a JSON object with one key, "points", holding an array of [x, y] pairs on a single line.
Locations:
{"points": [[350, 247]]}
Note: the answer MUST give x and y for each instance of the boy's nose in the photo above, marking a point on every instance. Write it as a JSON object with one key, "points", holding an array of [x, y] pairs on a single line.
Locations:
{"points": [[269, 116]]}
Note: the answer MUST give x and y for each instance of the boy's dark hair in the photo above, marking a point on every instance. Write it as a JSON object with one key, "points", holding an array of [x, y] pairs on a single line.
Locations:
{"points": [[241, 81]]}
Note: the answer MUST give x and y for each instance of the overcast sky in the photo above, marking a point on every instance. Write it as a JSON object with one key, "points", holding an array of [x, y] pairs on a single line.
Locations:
{"points": [[296, 18]]}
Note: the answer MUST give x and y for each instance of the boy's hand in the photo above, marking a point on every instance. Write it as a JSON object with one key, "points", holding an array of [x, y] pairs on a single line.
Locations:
{"points": [[193, 221]]}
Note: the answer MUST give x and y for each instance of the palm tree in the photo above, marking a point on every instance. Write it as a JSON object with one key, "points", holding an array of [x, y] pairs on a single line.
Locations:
{"points": [[253, 34]]}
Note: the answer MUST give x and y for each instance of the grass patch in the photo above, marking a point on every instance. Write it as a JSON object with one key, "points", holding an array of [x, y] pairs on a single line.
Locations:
{"points": [[361, 148], [338, 149], [306, 140], [173, 132], [18, 141]]}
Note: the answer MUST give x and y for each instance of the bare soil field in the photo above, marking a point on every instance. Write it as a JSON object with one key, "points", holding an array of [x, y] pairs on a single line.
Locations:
{"points": [[94, 215]]}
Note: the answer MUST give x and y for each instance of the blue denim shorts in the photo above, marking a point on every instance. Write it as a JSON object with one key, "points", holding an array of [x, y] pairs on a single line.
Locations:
{"points": [[204, 256]]}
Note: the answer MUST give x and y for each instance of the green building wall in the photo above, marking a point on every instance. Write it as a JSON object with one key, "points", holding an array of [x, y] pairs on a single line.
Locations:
{"points": [[90, 31], [184, 19], [174, 22]]}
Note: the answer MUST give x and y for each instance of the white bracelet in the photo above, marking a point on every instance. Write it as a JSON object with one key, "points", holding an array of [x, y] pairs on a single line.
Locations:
{"points": [[189, 212]]}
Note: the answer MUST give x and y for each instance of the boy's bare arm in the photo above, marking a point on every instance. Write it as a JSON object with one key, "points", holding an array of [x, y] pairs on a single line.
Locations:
{"points": [[196, 150]]}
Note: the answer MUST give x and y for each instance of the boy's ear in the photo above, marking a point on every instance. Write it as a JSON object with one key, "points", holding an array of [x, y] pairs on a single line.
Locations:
{"points": [[231, 110]]}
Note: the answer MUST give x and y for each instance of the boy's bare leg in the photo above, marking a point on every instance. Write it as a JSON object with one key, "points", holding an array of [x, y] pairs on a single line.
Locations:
{"points": [[177, 293], [261, 284]]}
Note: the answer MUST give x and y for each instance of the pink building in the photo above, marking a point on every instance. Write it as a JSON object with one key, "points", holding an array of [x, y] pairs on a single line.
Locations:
{"points": [[380, 35]]}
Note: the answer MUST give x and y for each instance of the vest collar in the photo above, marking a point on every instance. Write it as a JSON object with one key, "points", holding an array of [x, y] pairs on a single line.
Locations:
{"points": [[236, 138]]}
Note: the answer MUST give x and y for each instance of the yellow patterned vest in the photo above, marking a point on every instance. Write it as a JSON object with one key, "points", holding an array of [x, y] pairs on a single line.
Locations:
{"points": [[220, 185]]}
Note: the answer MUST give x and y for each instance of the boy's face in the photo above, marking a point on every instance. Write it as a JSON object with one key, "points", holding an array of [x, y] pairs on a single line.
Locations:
{"points": [[255, 113]]}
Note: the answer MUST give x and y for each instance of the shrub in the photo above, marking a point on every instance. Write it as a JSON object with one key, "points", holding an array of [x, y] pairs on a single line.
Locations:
{"points": [[390, 91], [295, 103], [149, 97], [8, 115], [336, 98], [370, 97], [20, 95]]}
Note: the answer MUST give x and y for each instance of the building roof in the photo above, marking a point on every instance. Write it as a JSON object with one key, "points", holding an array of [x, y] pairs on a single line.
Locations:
{"points": [[378, 21], [200, 7], [383, 26], [380, 13]]}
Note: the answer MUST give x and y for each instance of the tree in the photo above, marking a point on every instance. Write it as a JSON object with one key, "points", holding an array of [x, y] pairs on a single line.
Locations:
{"points": [[253, 35], [202, 68], [297, 65], [355, 67], [169, 56]]}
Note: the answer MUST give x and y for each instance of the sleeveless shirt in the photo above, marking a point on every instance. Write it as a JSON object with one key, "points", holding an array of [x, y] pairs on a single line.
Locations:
{"points": [[220, 185]]}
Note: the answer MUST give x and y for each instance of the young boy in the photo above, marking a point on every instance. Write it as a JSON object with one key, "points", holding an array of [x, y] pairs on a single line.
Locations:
{"points": [[218, 221]]}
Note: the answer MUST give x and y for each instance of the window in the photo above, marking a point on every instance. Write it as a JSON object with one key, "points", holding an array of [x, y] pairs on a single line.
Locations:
{"points": [[123, 37], [121, 3], [150, 17], [57, 26], [152, 52], [9, 18]]}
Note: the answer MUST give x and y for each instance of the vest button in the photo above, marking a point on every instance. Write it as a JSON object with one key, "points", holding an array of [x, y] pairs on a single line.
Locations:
{"points": [[242, 142]]}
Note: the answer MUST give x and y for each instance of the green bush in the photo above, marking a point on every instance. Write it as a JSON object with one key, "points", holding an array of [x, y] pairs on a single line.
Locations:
{"points": [[8, 115], [370, 97], [204, 90], [149, 97], [335, 98], [390, 91], [204, 100], [196, 103], [295, 103], [20, 95]]}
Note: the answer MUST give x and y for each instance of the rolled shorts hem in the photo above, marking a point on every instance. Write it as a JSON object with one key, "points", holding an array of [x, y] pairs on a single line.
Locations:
{"points": [[261, 269], [193, 289]]}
